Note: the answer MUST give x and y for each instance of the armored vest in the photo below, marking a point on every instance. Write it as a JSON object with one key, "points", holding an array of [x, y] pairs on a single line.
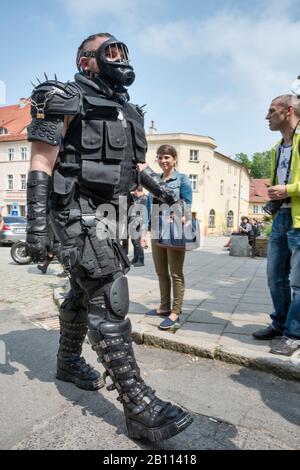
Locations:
{"points": [[102, 146]]}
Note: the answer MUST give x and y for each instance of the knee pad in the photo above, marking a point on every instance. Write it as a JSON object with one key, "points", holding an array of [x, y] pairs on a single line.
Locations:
{"points": [[119, 297]]}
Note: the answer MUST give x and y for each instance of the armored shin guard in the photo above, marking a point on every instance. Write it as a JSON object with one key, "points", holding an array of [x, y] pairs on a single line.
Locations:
{"points": [[147, 417], [71, 367]]}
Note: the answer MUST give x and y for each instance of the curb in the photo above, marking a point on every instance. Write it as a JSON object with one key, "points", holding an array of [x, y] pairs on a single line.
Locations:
{"points": [[283, 367]]}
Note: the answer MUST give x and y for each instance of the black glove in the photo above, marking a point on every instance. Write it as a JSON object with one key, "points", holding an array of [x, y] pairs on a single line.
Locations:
{"points": [[153, 183], [38, 186]]}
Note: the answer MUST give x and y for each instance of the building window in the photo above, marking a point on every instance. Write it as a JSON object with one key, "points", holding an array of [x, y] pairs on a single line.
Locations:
{"points": [[8, 208], [194, 155], [230, 219], [194, 182], [229, 169], [234, 190], [11, 154], [255, 209], [23, 182], [235, 170], [211, 219], [23, 153], [22, 211], [10, 181], [3, 131], [222, 187]]}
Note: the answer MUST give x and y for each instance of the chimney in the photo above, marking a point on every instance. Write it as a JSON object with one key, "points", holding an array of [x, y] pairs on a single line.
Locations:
{"points": [[152, 129]]}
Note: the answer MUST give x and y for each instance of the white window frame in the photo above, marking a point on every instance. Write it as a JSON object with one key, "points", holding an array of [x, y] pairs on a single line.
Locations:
{"points": [[11, 154], [194, 155], [10, 182], [230, 218], [194, 182], [23, 182], [24, 153], [255, 209], [212, 219]]}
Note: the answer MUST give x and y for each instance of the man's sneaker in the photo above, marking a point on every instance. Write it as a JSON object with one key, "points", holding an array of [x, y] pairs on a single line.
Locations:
{"points": [[286, 346], [266, 333]]}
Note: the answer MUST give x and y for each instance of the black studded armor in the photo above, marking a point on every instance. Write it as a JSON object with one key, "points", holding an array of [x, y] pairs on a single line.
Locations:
{"points": [[97, 164]]}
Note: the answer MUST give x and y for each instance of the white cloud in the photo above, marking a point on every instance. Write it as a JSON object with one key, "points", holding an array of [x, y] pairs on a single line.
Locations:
{"points": [[219, 104], [258, 55], [89, 7], [83, 12]]}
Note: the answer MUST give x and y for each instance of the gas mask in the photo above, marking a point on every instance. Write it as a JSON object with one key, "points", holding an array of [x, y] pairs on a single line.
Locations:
{"points": [[113, 61]]}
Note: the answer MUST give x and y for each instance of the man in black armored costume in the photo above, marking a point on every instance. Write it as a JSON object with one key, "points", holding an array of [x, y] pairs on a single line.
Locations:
{"points": [[88, 149]]}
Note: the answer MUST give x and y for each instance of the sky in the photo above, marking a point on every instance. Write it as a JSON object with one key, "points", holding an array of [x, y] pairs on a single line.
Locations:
{"points": [[202, 67]]}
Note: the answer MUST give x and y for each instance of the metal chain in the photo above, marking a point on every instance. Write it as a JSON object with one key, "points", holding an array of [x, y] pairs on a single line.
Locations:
{"points": [[40, 107]]}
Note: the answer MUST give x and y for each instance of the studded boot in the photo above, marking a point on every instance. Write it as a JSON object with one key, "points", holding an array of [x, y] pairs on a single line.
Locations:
{"points": [[71, 367], [147, 417]]}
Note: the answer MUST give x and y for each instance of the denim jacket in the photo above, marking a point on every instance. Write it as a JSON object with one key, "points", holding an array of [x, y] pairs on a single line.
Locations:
{"points": [[181, 185]]}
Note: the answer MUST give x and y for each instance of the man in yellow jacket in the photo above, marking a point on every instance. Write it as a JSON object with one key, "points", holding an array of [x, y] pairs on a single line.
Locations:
{"points": [[283, 268]]}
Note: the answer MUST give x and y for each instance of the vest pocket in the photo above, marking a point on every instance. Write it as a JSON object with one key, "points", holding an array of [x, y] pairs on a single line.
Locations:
{"points": [[115, 140], [63, 189], [100, 175], [140, 142], [92, 139]]}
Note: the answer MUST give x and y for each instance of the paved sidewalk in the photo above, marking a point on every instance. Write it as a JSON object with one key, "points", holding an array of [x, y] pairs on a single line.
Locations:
{"points": [[226, 299]]}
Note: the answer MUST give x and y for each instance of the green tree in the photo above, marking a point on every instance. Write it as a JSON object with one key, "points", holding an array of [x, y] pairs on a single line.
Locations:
{"points": [[261, 164], [243, 159]]}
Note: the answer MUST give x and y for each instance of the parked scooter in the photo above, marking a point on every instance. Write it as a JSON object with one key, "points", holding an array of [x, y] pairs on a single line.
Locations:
{"points": [[19, 253]]}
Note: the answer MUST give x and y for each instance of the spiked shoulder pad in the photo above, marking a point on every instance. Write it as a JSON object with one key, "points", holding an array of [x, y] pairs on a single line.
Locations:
{"points": [[54, 98]]}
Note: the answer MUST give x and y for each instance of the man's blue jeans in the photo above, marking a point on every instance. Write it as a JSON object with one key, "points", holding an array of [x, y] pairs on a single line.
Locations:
{"points": [[283, 272]]}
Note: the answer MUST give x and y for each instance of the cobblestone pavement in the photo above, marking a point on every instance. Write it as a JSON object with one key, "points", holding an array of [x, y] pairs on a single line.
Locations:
{"points": [[226, 300], [233, 407], [25, 289]]}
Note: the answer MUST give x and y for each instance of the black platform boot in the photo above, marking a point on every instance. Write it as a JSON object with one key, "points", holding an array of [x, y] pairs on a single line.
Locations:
{"points": [[71, 367], [147, 417]]}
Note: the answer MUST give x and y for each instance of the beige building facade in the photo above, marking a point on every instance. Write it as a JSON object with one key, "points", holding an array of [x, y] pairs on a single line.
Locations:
{"points": [[14, 157], [14, 166], [220, 184]]}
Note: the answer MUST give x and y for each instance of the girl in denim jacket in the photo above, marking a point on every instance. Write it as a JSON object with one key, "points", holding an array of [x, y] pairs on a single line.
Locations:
{"points": [[167, 261]]}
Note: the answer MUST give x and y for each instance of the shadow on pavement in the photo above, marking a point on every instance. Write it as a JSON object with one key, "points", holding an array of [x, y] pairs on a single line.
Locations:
{"points": [[273, 392], [36, 350]]}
